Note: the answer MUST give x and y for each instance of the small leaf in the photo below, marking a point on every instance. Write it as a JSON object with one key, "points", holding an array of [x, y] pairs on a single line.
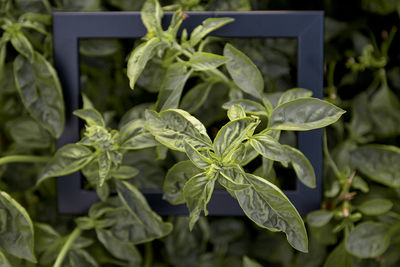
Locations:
{"points": [[208, 25], [249, 106], [195, 97], [360, 184], [293, 94], [196, 157], [40, 91], [139, 58], [319, 218], [243, 72], [104, 167], [368, 240], [201, 61], [22, 45], [304, 114], [68, 159], [124, 172], [269, 147], [231, 136], [17, 239], [380, 163], [133, 135], [236, 112], [91, 116], [339, 257], [269, 208], [3, 260], [301, 166], [151, 15], [174, 126], [176, 178], [376, 206], [247, 262]]}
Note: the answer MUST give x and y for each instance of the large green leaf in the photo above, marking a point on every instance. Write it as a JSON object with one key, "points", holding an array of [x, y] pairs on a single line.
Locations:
{"points": [[40, 91], [368, 240], [151, 15], [376, 206], [201, 61], [22, 45], [91, 116], [27, 132], [231, 136], [244, 72], [174, 126], [269, 208], [208, 25], [16, 229], [319, 218], [232, 178], [301, 166], [293, 94], [139, 58], [269, 147], [196, 157], [172, 86], [133, 135], [195, 97], [176, 178], [197, 193], [304, 114], [379, 162], [68, 159]]}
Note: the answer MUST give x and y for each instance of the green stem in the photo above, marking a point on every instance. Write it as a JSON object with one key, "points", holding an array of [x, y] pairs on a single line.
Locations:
{"points": [[24, 158], [70, 240], [148, 256]]}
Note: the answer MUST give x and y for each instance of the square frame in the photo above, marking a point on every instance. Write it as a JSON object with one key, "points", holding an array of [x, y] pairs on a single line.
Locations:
{"points": [[306, 26]]}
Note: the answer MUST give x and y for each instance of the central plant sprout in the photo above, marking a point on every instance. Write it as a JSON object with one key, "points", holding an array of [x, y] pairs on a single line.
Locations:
{"points": [[239, 141]]}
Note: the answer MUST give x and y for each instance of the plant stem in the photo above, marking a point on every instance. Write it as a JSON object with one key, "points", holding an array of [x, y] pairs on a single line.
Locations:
{"points": [[148, 256], [23, 158], [70, 240]]}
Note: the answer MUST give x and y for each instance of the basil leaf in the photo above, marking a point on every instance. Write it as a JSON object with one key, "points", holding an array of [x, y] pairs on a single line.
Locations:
{"points": [[176, 178], [91, 116], [79, 257], [22, 45], [68, 159], [247, 262], [301, 166], [368, 240], [133, 135], [244, 72], [3, 260], [339, 257], [269, 147], [269, 208], [208, 25], [197, 193], [172, 86], [196, 157], [149, 223], [379, 163], [293, 94], [236, 112], [40, 91], [151, 15], [304, 114], [16, 230], [201, 61], [174, 126], [375, 207], [195, 97], [360, 184], [319, 218], [231, 136], [139, 58], [232, 179], [249, 106], [176, 22], [28, 133], [124, 172], [104, 167]]}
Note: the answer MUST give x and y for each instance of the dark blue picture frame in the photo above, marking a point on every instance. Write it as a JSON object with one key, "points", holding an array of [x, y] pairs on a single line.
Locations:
{"points": [[307, 27]]}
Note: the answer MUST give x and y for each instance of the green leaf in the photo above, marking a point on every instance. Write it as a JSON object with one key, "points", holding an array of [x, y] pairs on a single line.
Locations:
{"points": [[304, 114], [232, 178], [301, 166], [81, 258], [244, 72], [197, 193], [249, 106], [269, 147], [176, 22], [208, 25], [269, 208], [174, 126], [195, 97], [236, 112], [339, 257], [17, 235], [201, 61], [380, 163], [91, 116], [151, 15], [293, 94], [40, 91], [149, 223], [176, 178], [196, 157], [139, 58], [247, 262], [319, 218], [3, 260], [231, 136], [28, 133], [104, 167], [376, 206], [360, 184], [124, 172], [68, 159], [368, 240], [172, 86], [22, 45], [133, 135]]}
